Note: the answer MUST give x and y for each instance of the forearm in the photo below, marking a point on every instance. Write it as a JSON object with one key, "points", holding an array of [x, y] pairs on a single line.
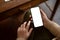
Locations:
{"points": [[54, 29], [50, 25]]}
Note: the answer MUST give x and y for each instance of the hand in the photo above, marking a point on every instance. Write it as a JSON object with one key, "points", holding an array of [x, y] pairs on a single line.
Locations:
{"points": [[53, 27], [46, 21], [23, 31]]}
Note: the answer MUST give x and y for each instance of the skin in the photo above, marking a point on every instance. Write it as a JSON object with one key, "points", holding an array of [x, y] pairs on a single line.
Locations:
{"points": [[24, 31], [53, 27]]}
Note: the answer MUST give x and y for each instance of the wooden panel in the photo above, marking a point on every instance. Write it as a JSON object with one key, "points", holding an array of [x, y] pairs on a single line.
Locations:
{"points": [[31, 4], [11, 4], [17, 9], [1, 2]]}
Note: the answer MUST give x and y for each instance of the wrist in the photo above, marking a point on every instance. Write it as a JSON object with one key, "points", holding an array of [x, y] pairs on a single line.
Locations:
{"points": [[21, 39]]}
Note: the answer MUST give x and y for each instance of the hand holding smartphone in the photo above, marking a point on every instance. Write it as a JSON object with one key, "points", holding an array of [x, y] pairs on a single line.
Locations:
{"points": [[36, 15]]}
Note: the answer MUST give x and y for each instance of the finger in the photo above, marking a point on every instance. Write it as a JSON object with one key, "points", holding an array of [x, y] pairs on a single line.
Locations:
{"points": [[27, 27], [24, 24], [31, 19], [21, 26], [44, 16], [30, 16], [43, 13], [30, 31]]}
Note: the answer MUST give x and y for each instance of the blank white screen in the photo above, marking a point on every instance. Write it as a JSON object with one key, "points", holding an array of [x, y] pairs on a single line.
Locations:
{"points": [[36, 15]]}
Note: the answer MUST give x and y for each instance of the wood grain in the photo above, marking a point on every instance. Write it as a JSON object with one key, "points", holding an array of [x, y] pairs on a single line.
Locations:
{"points": [[11, 4], [15, 10]]}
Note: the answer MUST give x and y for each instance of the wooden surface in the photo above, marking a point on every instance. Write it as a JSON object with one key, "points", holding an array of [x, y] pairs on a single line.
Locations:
{"points": [[14, 3], [15, 10], [31, 4], [11, 4]]}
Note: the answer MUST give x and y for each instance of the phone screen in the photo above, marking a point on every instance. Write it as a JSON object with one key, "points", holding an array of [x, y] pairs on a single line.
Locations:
{"points": [[36, 16]]}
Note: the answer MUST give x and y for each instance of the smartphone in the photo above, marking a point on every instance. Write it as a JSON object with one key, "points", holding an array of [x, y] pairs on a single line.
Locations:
{"points": [[36, 16]]}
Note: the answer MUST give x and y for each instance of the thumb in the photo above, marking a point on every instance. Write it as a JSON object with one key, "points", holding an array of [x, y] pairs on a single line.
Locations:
{"points": [[44, 16]]}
